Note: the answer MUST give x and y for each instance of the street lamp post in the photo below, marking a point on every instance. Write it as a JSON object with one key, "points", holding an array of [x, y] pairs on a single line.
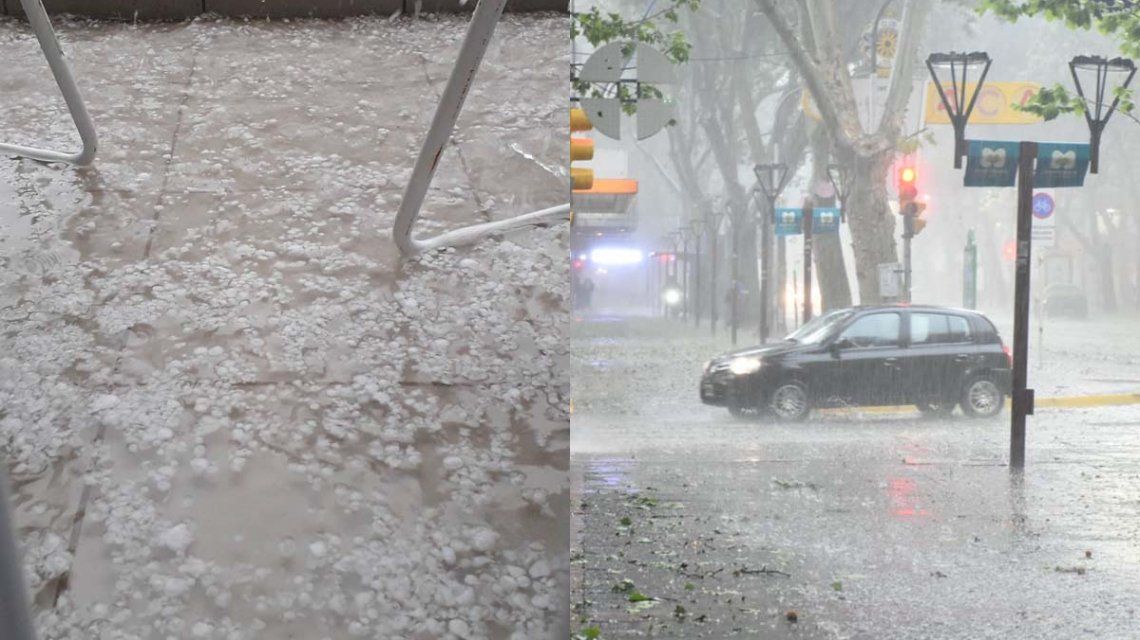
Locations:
{"points": [[959, 109], [1096, 115], [960, 101], [771, 179]]}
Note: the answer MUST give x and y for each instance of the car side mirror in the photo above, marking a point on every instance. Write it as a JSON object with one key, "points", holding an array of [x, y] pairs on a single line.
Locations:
{"points": [[839, 345]]}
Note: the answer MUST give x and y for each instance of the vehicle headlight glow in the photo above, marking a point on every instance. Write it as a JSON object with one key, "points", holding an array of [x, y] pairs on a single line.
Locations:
{"points": [[672, 297], [744, 365], [615, 256]]}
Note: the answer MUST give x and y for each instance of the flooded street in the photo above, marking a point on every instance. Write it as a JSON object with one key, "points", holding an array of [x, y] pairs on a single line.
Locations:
{"points": [[865, 523], [230, 410]]}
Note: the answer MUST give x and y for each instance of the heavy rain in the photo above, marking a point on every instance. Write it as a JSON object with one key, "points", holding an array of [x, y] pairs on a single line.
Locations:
{"points": [[799, 328]]}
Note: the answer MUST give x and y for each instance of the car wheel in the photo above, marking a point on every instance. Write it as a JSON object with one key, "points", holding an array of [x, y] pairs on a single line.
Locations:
{"points": [[790, 402], [936, 409], [982, 398]]}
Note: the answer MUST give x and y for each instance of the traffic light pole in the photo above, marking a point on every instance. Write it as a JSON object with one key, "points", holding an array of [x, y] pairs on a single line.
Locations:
{"points": [[1022, 397], [908, 233]]}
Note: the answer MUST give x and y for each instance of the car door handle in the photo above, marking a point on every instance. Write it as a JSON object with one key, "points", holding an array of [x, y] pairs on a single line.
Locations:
{"points": [[890, 362], [961, 357]]}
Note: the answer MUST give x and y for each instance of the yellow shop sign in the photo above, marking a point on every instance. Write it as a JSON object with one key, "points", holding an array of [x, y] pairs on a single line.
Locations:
{"points": [[994, 104]]}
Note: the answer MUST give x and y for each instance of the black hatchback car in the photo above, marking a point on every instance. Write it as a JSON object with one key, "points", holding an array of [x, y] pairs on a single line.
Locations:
{"points": [[933, 357]]}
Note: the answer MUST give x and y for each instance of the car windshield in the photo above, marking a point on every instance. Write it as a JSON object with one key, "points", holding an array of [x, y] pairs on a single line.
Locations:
{"points": [[818, 328]]}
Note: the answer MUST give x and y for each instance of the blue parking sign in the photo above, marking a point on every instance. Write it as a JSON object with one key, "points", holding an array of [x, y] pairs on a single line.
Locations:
{"points": [[825, 220], [991, 163], [789, 221], [1061, 165]]}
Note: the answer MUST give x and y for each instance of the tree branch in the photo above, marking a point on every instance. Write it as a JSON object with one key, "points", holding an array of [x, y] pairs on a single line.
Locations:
{"points": [[817, 82], [902, 79]]}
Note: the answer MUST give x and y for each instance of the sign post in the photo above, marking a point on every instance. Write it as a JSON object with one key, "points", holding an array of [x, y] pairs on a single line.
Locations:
{"points": [[1022, 397], [970, 272]]}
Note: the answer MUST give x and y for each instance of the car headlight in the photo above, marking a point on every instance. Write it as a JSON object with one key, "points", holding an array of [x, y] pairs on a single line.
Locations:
{"points": [[744, 365]]}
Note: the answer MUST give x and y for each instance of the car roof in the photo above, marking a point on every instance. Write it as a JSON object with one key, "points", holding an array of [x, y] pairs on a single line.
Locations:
{"points": [[914, 307]]}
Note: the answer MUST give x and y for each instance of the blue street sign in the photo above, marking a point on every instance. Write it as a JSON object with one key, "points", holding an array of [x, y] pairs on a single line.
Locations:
{"points": [[789, 221], [1061, 165], [991, 163], [1043, 205], [825, 220]]}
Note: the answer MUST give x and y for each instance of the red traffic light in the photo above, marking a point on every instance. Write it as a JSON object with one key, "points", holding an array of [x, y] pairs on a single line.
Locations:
{"points": [[907, 175]]}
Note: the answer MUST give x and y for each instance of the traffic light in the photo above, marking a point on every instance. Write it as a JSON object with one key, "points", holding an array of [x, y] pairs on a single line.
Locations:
{"points": [[580, 149], [909, 206]]}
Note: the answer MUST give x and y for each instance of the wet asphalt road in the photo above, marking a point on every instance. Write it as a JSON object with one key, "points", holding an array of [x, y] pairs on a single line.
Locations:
{"points": [[866, 525]]}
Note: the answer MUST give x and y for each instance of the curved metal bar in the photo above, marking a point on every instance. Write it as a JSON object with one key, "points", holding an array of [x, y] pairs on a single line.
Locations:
{"points": [[41, 24], [15, 617], [479, 32]]}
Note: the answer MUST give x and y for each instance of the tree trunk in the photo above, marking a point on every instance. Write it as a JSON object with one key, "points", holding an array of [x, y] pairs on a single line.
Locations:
{"points": [[834, 290], [871, 223]]}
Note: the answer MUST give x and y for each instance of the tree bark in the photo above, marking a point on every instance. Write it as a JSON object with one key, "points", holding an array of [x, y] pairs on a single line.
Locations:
{"points": [[871, 223]]}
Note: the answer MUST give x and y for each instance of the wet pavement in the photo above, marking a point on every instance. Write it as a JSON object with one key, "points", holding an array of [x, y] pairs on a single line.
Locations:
{"points": [[690, 524], [229, 409]]}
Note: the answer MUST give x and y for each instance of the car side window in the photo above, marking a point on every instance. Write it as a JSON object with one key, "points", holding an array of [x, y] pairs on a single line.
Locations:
{"points": [[937, 328], [876, 330], [959, 329]]}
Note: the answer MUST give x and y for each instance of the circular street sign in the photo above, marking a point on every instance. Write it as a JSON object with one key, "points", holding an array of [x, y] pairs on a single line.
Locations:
{"points": [[1042, 205]]}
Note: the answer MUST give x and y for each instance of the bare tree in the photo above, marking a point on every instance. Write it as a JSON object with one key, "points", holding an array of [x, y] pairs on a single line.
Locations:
{"points": [[822, 63]]}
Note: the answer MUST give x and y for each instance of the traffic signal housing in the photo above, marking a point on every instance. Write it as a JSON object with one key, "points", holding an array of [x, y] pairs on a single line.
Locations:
{"points": [[909, 206], [581, 178]]}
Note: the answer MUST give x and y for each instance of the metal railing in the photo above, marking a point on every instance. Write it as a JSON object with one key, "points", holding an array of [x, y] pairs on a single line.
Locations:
{"points": [[475, 43], [49, 43]]}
